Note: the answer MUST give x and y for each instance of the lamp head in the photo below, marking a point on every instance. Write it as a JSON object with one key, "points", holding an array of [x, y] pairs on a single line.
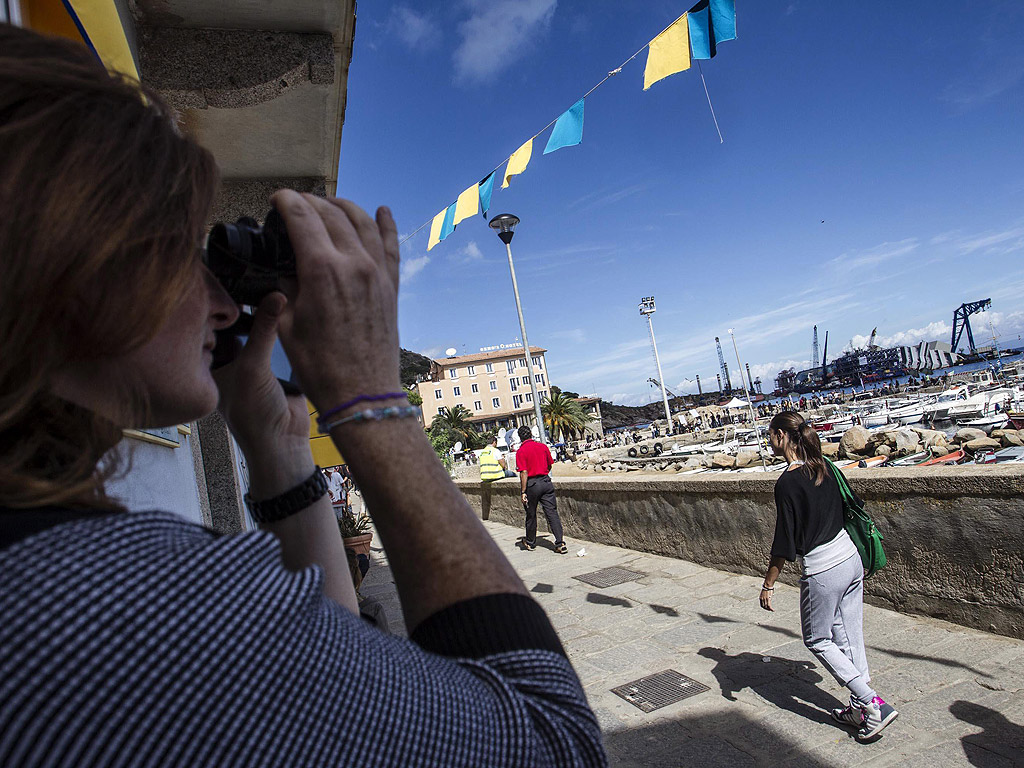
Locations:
{"points": [[505, 225]]}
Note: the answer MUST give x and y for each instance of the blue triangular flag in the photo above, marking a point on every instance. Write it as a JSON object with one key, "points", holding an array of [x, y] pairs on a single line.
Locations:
{"points": [[710, 22], [568, 130], [448, 225], [486, 187]]}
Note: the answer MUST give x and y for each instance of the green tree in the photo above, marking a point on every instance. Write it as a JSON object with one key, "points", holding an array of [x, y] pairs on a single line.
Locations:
{"points": [[563, 416], [414, 396], [455, 423]]}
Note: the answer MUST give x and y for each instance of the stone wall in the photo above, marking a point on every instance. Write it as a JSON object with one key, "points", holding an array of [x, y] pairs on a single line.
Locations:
{"points": [[954, 536]]}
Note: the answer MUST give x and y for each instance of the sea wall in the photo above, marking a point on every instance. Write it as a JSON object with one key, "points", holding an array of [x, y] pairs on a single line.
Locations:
{"points": [[954, 536]]}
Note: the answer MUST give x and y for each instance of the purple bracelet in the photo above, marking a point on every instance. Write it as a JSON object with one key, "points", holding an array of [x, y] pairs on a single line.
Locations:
{"points": [[323, 417]]}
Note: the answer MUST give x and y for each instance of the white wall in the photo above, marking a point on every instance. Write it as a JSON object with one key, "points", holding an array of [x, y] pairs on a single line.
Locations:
{"points": [[159, 477]]}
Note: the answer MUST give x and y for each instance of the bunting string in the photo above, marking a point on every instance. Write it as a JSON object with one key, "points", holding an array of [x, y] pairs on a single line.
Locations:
{"points": [[694, 34]]}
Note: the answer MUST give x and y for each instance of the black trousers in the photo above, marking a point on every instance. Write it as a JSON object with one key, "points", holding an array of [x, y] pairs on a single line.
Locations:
{"points": [[539, 489]]}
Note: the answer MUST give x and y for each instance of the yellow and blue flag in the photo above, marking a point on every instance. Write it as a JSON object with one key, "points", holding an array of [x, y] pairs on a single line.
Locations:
{"points": [[711, 22]]}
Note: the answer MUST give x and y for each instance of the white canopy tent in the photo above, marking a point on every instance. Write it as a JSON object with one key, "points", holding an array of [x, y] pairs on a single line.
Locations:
{"points": [[737, 403]]}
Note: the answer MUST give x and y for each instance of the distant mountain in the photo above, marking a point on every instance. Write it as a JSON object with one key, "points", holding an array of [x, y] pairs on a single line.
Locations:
{"points": [[412, 364]]}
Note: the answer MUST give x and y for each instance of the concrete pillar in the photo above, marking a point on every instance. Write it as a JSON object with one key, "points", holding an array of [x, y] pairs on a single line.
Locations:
{"points": [[225, 498]]}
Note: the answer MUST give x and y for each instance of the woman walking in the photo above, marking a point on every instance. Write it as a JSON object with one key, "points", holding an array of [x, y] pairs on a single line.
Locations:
{"points": [[809, 525]]}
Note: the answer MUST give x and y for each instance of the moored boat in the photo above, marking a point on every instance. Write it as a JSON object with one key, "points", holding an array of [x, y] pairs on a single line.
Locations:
{"points": [[950, 458]]}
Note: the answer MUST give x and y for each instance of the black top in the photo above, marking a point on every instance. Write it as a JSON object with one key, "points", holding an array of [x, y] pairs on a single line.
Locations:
{"points": [[808, 515]]}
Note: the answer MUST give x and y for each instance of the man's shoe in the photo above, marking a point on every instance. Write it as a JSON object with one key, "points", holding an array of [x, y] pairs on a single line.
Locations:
{"points": [[560, 548], [526, 546], [877, 715], [850, 714]]}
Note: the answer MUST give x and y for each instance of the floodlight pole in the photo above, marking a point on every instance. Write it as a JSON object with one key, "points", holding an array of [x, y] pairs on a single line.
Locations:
{"points": [[504, 224], [750, 403], [647, 309]]}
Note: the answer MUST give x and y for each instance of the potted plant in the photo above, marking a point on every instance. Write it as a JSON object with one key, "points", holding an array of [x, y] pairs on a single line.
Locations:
{"points": [[355, 530]]}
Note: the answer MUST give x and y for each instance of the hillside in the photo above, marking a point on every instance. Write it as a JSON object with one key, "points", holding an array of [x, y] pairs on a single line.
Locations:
{"points": [[411, 365], [626, 415]]}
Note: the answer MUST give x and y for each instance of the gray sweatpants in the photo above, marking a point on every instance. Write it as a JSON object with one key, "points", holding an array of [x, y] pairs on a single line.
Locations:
{"points": [[831, 616]]}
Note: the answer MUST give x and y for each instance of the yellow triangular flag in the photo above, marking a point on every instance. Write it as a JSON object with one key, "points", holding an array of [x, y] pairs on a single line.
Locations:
{"points": [[435, 229], [518, 162], [668, 53], [468, 204]]}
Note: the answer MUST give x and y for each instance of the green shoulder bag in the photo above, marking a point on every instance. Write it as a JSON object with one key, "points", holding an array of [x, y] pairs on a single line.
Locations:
{"points": [[861, 528]]}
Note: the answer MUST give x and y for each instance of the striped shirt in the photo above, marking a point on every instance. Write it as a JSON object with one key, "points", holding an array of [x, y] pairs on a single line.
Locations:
{"points": [[142, 640]]}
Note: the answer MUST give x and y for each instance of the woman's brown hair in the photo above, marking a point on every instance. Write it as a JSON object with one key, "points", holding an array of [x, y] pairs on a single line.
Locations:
{"points": [[103, 203], [805, 442]]}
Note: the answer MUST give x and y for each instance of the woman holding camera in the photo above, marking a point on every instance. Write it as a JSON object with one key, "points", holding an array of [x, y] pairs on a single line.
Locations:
{"points": [[139, 639], [809, 525]]}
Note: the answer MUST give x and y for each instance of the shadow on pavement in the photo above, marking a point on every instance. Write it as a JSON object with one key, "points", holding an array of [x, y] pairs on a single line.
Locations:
{"points": [[788, 684], [599, 599], [932, 659], [543, 589], [1000, 740], [708, 618], [725, 740]]}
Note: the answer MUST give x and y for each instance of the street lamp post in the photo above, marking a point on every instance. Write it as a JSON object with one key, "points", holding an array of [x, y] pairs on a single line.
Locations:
{"points": [[504, 224], [647, 309]]}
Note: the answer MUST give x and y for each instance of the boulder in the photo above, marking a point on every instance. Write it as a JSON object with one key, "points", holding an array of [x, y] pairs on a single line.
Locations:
{"points": [[938, 450], [693, 462], [929, 436], [982, 444], [830, 450], [906, 442], [723, 461], [747, 458], [967, 434], [883, 450], [705, 461], [1010, 437], [936, 440], [854, 441]]}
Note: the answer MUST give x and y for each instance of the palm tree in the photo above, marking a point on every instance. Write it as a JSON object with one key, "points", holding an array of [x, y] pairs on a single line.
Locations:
{"points": [[563, 415], [455, 422]]}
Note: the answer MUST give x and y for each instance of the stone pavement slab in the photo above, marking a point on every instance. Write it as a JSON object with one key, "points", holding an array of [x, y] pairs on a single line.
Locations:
{"points": [[960, 692]]}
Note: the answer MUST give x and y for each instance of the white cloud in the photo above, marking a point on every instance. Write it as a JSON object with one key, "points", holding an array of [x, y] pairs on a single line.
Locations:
{"points": [[872, 257], [1000, 243], [576, 335], [416, 30], [412, 267], [629, 398], [497, 34], [469, 252]]}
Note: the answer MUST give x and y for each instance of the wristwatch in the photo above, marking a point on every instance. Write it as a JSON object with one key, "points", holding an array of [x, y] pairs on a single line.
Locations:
{"points": [[296, 499]]}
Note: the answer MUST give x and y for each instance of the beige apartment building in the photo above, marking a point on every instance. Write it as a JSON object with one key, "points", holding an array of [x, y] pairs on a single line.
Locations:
{"points": [[494, 386]]}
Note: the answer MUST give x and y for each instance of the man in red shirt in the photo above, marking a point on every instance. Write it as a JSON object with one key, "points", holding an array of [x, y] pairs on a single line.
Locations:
{"points": [[533, 460]]}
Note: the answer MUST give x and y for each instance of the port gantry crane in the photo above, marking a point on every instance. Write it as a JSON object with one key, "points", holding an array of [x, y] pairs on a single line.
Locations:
{"points": [[962, 322], [725, 368], [668, 391]]}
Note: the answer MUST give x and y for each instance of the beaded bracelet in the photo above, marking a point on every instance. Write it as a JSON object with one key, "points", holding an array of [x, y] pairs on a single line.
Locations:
{"points": [[375, 414], [323, 417]]}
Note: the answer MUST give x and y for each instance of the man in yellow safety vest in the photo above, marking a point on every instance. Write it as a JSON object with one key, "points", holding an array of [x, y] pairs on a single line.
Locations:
{"points": [[492, 463]]}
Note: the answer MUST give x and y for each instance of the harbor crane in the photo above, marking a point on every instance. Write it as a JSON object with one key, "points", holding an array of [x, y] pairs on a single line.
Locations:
{"points": [[962, 322], [725, 369], [670, 393], [814, 349]]}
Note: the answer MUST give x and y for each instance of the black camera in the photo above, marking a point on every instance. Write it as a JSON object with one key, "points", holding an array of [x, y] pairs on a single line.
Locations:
{"points": [[250, 260]]}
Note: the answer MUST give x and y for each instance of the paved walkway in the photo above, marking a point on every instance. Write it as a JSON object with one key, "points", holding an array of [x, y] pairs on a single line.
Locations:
{"points": [[960, 692]]}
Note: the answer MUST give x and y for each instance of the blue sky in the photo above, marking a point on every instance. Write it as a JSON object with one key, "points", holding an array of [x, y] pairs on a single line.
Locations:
{"points": [[872, 175]]}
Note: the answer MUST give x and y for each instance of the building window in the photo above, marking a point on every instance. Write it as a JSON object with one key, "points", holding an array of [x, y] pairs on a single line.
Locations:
{"points": [[489, 368], [494, 386], [453, 373], [517, 401], [440, 410], [542, 395], [513, 385], [540, 378], [437, 394], [529, 397], [496, 402], [510, 365], [458, 391], [522, 362], [536, 362], [477, 405], [471, 370], [475, 388]]}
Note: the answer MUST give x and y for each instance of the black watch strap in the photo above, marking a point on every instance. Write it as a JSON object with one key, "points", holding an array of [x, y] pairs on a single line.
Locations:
{"points": [[296, 499]]}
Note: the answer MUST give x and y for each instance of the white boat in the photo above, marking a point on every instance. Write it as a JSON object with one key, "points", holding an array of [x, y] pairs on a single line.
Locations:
{"points": [[987, 423], [877, 418], [980, 405], [908, 414], [939, 410]]}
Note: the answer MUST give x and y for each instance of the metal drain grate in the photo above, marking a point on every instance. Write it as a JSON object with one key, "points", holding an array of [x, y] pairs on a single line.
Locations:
{"points": [[659, 690], [609, 577]]}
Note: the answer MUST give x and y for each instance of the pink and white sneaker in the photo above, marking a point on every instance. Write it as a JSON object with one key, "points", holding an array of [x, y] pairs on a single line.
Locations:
{"points": [[877, 716]]}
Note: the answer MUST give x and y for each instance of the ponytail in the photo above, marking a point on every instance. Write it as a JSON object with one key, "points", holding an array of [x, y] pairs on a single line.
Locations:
{"points": [[805, 442]]}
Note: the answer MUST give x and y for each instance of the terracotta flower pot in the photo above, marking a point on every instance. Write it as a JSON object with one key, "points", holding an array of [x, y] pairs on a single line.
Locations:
{"points": [[359, 544]]}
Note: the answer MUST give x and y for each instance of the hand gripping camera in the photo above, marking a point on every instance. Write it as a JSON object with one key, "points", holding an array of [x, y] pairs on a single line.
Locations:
{"points": [[251, 261]]}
